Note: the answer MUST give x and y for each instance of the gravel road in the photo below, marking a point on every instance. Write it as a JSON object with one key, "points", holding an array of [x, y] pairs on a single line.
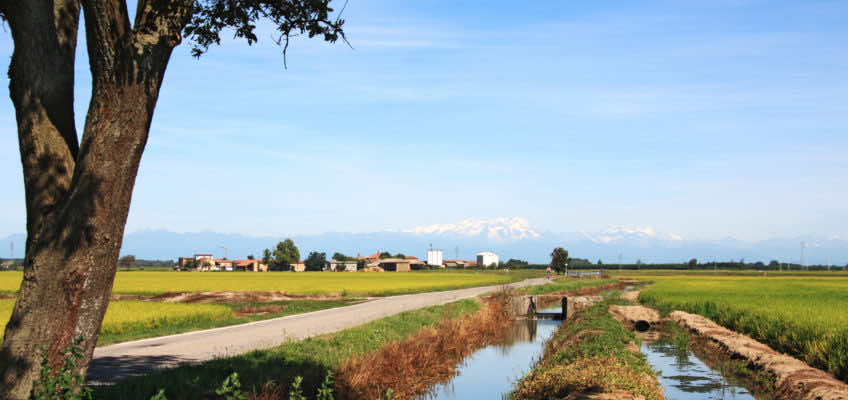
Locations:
{"points": [[123, 360]]}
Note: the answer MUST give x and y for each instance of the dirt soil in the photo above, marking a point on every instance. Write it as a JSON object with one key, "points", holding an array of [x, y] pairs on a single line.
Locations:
{"points": [[795, 379], [222, 297], [632, 296], [617, 395], [630, 315]]}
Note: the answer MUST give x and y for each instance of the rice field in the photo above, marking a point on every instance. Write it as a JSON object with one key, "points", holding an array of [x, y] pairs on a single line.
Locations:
{"points": [[128, 317], [303, 283], [804, 316]]}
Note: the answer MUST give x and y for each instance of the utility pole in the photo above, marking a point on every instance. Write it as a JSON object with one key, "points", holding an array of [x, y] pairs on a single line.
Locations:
{"points": [[225, 251]]}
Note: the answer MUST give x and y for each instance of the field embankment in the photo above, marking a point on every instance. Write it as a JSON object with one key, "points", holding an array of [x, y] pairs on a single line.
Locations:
{"points": [[270, 372], [794, 379], [801, 316], [152, 283], [591, 354]]}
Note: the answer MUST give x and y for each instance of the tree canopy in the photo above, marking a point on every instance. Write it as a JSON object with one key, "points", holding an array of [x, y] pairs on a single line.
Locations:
{"points": [[315, 261], [559, 259], [285, 254], [78, 188]]}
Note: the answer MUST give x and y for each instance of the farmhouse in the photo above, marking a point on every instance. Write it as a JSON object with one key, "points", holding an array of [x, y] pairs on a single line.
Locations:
{"points": [[249, 266], [336, 265], [370, 259], [222, 264], [298, 267], [395, 264]]}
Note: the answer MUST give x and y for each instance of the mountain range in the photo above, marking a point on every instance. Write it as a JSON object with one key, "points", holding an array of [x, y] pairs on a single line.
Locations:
{"points": [[509, 237]]}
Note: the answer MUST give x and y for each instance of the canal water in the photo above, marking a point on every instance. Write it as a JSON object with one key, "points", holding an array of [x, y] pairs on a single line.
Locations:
{"points": [[686, 377], [491, 372]]}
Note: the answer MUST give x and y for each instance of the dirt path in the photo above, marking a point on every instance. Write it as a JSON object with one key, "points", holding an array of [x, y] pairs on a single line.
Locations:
{"points": [[123, 360]]}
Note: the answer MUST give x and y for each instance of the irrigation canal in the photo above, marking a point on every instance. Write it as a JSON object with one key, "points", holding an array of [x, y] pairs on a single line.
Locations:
{"points": [[491, 372], [684, 376]]}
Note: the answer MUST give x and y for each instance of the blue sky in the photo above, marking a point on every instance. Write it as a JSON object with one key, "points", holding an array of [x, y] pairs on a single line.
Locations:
{"points": [[707, 119]]}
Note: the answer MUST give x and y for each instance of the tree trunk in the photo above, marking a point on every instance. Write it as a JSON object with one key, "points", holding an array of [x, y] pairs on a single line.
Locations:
{"points": [[78, 197]]}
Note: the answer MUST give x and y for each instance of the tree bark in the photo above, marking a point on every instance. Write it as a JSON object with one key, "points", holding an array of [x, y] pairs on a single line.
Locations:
{"points": [[78, 196]]}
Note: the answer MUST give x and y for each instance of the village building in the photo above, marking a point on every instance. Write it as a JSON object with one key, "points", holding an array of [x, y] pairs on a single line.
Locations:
{"points": [[337, 266], [487, 259], [222, 264], [205, 262], [434, 257], [249, 266], [298, 267], [394, 264]]}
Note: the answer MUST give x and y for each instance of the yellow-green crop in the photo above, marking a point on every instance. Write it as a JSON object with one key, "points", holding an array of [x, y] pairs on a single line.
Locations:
{"points": [[124, 317], [806, 317], [301, 283]]}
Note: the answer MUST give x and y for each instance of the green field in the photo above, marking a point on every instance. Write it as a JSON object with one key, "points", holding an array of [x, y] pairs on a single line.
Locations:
{"points": [[130, 320], [804, 316], [303, 283]]}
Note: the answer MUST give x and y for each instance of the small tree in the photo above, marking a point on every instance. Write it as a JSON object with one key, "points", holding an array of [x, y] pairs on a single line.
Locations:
{"points": [[559, 260], [339, 256], [266, 256], [385, 254], [250, 257], [285, 255], [315, 261], [127, 261], [693, 263]]}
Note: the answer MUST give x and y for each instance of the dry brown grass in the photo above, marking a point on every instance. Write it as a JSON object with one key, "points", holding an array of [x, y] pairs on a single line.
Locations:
{"points": [[412, 366], [257, 310]]}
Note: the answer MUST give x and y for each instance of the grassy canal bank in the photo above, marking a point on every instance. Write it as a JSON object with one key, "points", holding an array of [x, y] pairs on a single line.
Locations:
{"points": [[591, 353]]}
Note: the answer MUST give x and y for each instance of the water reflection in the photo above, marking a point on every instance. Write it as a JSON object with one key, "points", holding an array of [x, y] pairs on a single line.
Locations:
{"points": [[686, 377], [490, 372]]}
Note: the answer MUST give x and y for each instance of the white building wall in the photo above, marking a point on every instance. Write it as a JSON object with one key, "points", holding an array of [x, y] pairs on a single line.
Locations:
{"points": [[486, 259], [434, 257]]}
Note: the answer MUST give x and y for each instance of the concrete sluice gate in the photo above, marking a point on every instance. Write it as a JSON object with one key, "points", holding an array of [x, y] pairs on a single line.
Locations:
{"points": [[527, 307]]}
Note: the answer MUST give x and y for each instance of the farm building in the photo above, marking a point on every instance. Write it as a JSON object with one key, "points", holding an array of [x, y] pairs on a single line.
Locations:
{"points": [[249, 266], [395, 264], [298, 267], [434, 257], [487, 259], [223, 264], [336, 265]]}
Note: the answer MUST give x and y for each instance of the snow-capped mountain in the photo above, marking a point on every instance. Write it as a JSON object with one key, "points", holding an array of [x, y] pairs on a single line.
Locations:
{"points": [[513, 237], [621, 234], [498, 229]]}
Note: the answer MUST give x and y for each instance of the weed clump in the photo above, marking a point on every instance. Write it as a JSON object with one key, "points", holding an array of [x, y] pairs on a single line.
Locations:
{"points": [[413, 365]]}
